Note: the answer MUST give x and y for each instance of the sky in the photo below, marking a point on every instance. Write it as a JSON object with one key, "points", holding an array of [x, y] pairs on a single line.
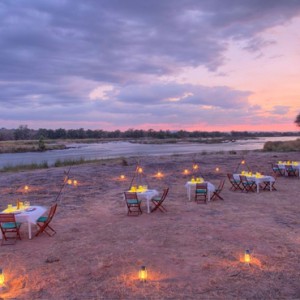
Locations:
{"points": [[207, 65]]}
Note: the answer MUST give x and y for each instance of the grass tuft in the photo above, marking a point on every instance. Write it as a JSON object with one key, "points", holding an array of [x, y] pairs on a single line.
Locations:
{"points": [[17, 168]]}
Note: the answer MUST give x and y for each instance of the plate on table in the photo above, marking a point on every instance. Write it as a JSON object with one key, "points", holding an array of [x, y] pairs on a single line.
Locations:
{"points": [[30, 209]]}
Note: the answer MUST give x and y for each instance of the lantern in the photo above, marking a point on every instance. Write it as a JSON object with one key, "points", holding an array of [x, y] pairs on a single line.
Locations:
{"points": [[159, 174], [140, 170], [242, 162], [75, 182], [143, 274], [195, 167], [1, 278], [69, 181], [186, 171], [247, 256], [122, 177], [26, 188], [217, 169]]}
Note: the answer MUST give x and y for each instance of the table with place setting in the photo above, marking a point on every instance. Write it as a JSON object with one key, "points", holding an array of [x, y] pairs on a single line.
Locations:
{"points": [[257, 177], [191, 186], [294, 164], [144, 193], [25, 213]]}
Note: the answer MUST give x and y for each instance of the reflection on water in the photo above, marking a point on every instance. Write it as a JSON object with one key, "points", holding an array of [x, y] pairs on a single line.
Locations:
{"points": [[126, 149]]}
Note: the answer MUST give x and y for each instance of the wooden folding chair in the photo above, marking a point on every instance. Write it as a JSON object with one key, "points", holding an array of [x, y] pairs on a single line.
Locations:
{"points": [[9, 225], [267, 184], [218, 191], [44, 222], [248, 185], [235, 184], [201, 192], [157, 201], [133, 204], [277, 170], [291, 171]]}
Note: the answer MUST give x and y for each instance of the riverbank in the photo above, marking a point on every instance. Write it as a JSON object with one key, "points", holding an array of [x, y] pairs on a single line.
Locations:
{"points": [[78, 153], [192, 251]]}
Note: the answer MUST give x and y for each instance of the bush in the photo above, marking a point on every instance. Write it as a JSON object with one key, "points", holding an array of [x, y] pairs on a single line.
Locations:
{"points": [[282, 146]]}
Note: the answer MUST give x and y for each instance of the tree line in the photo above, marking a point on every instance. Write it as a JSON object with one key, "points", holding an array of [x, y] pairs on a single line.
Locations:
{"points": [[25, 133]]}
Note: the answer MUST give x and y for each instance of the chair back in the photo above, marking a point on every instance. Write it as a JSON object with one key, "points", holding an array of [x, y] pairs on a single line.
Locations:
{"points": [[221, 185], [165, 193], [130, 196], [201, 188], [52, 212], [7, 218]]}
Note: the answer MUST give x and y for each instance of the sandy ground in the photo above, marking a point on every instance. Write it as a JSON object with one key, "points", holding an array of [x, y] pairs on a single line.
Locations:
{"points": [[193, 251]]}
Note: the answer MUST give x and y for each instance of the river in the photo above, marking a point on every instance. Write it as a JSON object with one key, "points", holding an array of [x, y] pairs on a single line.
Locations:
{"points": [[127, 149]]}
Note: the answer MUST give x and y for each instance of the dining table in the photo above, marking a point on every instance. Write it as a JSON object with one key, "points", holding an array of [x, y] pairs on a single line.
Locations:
{"points": [[191, 186], [145, 194], [257, 178], [27, 215], [295, 164]]}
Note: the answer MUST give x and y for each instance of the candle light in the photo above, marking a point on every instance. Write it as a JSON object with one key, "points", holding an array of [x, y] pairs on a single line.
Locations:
{"points": [[143, 274], [2, 279], [186, 171], [140, 170], [247, 256], [122, 177], [195, 167], [69, 181], [159, 174], [217, 169], [75, 182], [26, 188]]}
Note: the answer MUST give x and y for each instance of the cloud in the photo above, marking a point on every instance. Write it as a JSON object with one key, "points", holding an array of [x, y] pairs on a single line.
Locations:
{"points": [[63, 54], [280, 110]]}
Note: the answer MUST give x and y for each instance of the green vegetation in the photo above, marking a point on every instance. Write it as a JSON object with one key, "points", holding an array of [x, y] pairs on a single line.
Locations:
{"points": [[282, 146], [58, 163], [24, 133], [70, 162], [18, 168], [21, 146]]}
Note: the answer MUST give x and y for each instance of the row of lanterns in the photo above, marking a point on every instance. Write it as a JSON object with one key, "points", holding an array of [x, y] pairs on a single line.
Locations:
{"points": [[143, 272], [160, 174]]}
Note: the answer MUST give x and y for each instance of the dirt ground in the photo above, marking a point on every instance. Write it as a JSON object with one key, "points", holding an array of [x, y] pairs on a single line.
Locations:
{"points": [[193, 251]]}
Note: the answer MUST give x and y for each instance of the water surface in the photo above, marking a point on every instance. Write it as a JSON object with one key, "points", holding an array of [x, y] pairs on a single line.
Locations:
{"points": [[127, 149]]}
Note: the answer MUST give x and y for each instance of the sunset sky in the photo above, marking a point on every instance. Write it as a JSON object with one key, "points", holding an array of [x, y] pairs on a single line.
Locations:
{"points": [[160, 64]]}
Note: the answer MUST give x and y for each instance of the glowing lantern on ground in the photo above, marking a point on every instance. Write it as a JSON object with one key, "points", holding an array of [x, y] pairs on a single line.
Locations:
{"points": [[140, 170], [159, 174], [242, 162], [75, 182], [217, 169], [122, 177], [26, 188], [143, 274], [1, 278], [195, 167], [69, 181], [186, 172], [247, 257]]}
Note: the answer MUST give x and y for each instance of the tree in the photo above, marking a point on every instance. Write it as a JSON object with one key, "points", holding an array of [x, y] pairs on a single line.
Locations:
{"points": [[22, 133], [297, 121]]}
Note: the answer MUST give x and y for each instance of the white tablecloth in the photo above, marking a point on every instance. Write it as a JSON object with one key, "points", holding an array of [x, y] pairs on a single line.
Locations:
{"points": [[297, 167], [257, 180], [192, 186], [147, 195], [29, 217]]}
